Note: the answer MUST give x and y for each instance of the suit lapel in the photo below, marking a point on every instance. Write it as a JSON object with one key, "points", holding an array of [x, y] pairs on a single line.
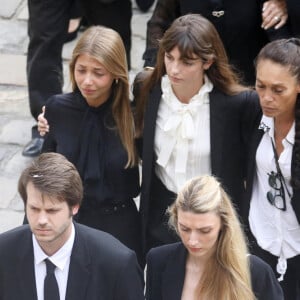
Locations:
{"points": [[79, 272], [253, 148], [150, 125], [218, 112], [255, 140], [173, 276], [25, 271], [148, 146]]}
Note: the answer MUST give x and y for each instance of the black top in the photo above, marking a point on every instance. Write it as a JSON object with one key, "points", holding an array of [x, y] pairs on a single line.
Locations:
{"points": [[166, 273], [88, 137]]}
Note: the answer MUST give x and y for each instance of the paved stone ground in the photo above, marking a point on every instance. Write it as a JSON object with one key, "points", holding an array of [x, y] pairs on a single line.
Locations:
{"points": [[15, 118]]}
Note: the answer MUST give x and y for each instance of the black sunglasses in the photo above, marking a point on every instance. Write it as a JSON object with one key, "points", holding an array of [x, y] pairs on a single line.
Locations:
{"points": [[276, 197]]}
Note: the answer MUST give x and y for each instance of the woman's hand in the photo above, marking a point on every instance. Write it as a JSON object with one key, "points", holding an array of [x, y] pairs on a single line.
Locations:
{"points": [[274, 13], [43, 126]]}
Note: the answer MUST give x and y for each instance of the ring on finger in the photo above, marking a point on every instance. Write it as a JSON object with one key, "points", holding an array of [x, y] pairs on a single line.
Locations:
{"points": [[277, 18]]}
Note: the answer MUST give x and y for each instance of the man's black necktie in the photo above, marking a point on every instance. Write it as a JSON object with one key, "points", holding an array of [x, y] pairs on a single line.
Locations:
{"points": [[51, 291]]}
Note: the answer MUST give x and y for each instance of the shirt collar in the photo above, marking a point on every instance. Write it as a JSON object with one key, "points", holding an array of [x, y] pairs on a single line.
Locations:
{"points": [[200, 97], [291, 135], [61, 257], [267, 125]]}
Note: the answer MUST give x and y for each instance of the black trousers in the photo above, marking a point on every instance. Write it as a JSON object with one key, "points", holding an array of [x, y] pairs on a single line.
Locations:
{"points": [[47, 26]]}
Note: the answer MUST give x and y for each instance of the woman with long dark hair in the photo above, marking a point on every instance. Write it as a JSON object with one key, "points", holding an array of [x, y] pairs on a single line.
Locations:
{"points": [[193, 117]]}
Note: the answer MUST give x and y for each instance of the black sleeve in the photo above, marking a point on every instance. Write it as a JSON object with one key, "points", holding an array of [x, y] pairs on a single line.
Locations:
{"points": [[264, 283], [130, 282]]}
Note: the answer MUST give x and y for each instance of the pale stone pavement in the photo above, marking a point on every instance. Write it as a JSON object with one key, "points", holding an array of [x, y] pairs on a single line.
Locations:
{"points": [[15, 118]]}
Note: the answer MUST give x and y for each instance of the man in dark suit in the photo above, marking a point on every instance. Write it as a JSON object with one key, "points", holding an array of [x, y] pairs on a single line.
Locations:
{"points": [[89, 264]]}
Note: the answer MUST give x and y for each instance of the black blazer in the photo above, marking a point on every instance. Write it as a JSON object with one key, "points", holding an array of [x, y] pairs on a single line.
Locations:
{"points": [[251, 169], [166, 272], [100, 267], [231, 122]]}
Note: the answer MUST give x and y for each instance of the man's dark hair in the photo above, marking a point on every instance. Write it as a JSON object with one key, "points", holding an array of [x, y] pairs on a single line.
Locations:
{"points": [[53, 175]]}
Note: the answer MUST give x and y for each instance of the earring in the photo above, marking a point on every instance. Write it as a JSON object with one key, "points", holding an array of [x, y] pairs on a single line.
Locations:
{"points": [[117, 80]]}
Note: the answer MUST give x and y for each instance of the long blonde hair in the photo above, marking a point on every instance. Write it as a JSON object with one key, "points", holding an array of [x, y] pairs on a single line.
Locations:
{"points": [[106, 46], [227, 273]]}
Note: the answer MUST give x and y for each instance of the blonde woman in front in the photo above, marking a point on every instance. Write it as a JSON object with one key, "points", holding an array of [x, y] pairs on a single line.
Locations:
{"points": [[211, 261]]}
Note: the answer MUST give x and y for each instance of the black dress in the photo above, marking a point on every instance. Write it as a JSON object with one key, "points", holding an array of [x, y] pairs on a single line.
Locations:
{"points": [[87, 136]]}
